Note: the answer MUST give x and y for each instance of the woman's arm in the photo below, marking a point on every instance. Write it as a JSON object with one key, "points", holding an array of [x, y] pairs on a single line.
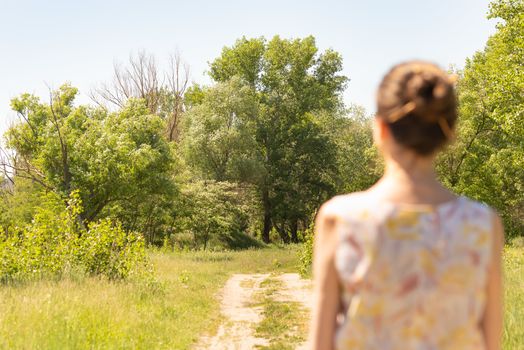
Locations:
{"points": [[492, 320], [326, 288]]}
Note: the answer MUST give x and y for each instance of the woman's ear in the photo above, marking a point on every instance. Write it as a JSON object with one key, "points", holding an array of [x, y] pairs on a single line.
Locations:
{"points": [[380, 131]]}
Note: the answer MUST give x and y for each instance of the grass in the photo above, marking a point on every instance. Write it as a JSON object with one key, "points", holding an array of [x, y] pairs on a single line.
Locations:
{"points": [[173, 311], [169, 313], [284, 323], [513, 337]]}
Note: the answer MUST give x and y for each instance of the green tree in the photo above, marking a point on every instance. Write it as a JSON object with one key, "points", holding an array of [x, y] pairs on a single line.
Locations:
{"points": [[219, 133], [214, 214], [292, 83], [358, 161], [487, 161], [113, 159]]}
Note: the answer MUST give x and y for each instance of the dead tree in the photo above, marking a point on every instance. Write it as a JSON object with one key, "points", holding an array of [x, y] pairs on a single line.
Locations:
{"points": [[139, 79], [177, 81], [163, 93]]}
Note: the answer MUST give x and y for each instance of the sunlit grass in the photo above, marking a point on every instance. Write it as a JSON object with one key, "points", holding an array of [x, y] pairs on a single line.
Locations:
{"points": [[169, 313], [284, 323], [176, 309], [514, 298]]}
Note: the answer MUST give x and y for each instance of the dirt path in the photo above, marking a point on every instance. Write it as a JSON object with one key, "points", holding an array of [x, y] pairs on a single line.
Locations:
{"points": [[237, 332]]}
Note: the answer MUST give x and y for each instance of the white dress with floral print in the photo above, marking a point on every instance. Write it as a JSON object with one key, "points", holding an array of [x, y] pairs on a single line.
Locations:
{"points": [[413, 276]]}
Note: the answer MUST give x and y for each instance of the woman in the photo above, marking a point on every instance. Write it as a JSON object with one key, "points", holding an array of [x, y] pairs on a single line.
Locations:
{"points": [[407, 264]]}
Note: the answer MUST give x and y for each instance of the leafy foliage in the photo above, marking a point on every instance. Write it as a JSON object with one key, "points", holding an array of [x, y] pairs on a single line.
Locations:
{"points": [[292, 83], [115, 160], [18, 204], [487, 161], [306, 255], [215, 214], [218, 133], [358, 161], [106, 249], [57, 243]]}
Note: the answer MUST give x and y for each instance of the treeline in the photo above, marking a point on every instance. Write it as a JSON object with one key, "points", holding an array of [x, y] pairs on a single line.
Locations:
{"points": [[250, 157], [247, 158], [486, 161]]}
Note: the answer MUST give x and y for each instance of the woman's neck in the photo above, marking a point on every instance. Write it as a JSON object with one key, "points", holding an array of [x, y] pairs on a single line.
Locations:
{"points": [[411, 170], [411, 179]]}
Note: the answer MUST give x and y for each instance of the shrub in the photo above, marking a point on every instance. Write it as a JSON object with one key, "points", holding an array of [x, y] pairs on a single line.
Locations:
{"points": [[106, 249], [47, 246], [56, 243], [214, 215], [306, 255]]}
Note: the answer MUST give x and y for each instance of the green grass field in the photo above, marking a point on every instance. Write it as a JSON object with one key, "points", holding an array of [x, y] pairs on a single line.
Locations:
{"points": [[172, 312], [514, 299]]}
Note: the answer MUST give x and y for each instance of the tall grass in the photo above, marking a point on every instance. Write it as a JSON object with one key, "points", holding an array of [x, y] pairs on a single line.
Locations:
{"points": [[173, 311], [169, 313], [513, 338]]}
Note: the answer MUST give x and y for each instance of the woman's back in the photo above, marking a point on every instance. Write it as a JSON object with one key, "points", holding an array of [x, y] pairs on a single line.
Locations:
{"points": [[408, 276], [412, 276]]}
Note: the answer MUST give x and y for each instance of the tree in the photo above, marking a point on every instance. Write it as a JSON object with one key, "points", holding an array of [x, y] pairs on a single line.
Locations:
{"points": [[292, 82], [358, 161], [219, 133], [41, 140], [162, 92], [487, 161], [217, 214], [111, 158]]}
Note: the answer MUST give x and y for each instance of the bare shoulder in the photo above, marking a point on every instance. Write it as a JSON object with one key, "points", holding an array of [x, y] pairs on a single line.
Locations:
{"points": [[332, 212], [335, 206]]}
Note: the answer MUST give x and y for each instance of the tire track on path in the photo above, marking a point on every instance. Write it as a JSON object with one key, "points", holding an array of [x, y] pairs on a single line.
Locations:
{"points": [[237, 300]]}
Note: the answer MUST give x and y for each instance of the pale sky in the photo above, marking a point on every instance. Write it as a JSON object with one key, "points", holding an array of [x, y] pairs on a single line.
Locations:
{"points": [[50, 42]]}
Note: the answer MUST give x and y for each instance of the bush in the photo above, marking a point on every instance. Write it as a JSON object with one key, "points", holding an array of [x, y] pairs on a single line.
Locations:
{"points": [[47, 246], [55, 244], [106, 249], [306, 255], [214, 215]]}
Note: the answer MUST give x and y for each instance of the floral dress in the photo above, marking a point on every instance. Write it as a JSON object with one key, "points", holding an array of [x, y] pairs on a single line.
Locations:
{"points": [[412, 276]]}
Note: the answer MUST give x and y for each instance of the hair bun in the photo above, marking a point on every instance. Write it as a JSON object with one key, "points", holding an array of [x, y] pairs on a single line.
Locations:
{"points": [[417, 101], [431, 93]]}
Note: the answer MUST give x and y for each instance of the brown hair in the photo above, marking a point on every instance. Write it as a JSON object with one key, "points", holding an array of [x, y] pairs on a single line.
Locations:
{"points": [[417, 101]]}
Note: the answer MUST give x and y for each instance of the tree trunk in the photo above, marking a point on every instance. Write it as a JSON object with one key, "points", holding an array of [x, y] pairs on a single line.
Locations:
{"points": [[267, 216], [294, 230], [206, 237], [282, 231]]}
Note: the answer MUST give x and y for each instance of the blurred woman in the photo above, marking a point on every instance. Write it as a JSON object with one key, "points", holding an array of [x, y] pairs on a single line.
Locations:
{"points": [[407, 264]]}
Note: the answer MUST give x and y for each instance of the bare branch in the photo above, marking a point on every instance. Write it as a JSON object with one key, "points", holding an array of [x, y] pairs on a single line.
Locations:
{"points": [[11, 166], [141, 78], [177, 80]]}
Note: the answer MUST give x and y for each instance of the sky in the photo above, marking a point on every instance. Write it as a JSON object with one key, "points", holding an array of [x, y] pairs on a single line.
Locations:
{"points": [[46, 43]]}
